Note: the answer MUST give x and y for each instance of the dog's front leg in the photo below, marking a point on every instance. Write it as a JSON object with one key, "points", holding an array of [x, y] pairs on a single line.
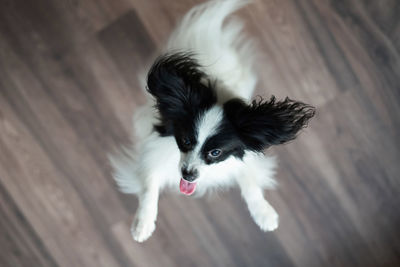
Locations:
{"points": [[144, 222], [262, 212]]}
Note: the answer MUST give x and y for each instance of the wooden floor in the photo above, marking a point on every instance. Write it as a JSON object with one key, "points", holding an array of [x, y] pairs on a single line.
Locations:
{"points": [[67, 92]]}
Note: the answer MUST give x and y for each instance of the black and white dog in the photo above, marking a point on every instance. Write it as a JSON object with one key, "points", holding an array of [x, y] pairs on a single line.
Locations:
{"points": [[200, 130]]}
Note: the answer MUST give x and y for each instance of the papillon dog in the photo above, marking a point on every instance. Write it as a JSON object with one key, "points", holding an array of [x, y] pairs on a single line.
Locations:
{"points": [[200, 130]]}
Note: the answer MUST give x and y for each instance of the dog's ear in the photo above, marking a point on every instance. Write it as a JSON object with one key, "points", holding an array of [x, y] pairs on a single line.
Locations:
{"points": [[179, 87], [265, 123]]}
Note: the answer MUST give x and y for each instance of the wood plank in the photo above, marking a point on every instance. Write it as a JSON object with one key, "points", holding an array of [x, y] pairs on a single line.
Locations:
{"points": [[21, 246], [46, 140], [59, 25], [130, 46]]}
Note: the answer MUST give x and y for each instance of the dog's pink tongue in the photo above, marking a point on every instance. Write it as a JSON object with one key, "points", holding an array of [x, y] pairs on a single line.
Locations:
{"points": [[186, 187]]}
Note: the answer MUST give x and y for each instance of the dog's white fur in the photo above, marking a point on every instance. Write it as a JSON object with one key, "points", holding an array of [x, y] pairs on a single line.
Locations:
{"points": [[154, 162]]}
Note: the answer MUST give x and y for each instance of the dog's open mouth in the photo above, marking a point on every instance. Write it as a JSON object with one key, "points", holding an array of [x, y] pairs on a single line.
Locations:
{"points": [[187, 187]]}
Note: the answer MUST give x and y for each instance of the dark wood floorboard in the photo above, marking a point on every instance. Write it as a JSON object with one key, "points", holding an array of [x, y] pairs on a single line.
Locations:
{"points": [[20, 244], [68, 89]]}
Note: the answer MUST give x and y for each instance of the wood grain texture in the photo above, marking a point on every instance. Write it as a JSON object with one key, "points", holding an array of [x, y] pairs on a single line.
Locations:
{"points": [[68, 88]]}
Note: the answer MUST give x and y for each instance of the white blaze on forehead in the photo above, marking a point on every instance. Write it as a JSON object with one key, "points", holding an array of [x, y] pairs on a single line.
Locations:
{"points": [[208, 124]]}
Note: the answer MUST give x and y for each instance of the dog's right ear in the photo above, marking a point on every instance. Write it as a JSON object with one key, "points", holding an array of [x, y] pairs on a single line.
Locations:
{"points": [[179, 87]]}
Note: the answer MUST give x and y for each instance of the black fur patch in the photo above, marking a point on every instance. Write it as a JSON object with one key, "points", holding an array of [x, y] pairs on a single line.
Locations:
{"points": [[227, 140], [265, 123], [182, 92]]}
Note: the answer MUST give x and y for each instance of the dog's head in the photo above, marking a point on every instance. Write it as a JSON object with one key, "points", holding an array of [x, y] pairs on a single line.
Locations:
{"points": [[209, 133]]}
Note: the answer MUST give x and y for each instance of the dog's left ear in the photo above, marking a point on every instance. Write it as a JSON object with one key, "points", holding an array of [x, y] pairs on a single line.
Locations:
{"points": [[265, 123]]}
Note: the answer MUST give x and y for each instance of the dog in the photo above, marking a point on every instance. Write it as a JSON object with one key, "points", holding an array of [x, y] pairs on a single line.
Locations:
{"points": [[199, 129]]}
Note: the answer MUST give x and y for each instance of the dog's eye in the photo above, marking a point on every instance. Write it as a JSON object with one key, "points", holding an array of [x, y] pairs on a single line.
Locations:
{"points": [[215, 153], [186, 141]]}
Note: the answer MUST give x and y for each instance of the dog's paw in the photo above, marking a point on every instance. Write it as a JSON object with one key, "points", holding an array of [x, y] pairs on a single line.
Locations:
{"points": [[266, 218], [141, 230]]}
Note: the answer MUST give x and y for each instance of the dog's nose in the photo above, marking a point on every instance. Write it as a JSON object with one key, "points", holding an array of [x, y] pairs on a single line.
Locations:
{"points": [[189, 175]]}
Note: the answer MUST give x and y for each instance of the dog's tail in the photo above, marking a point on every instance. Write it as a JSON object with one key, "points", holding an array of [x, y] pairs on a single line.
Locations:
{"points": [[219, 45]]}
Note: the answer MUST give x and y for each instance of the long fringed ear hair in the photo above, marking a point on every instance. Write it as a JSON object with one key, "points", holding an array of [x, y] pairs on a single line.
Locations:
{"points": [[180, 88], [265, 123]]}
